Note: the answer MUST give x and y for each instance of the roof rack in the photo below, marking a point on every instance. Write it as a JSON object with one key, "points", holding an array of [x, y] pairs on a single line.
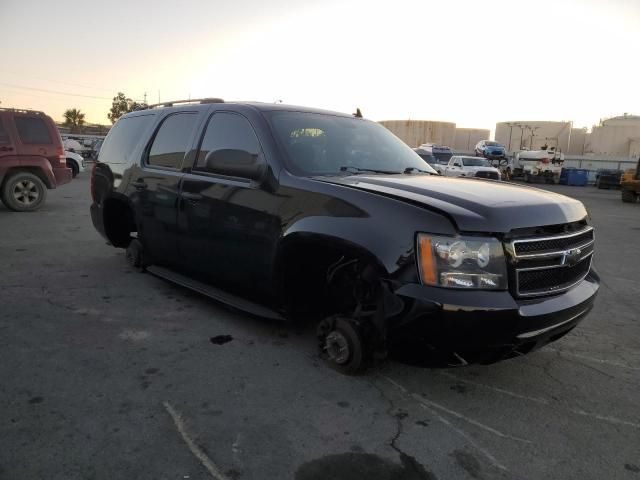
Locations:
{"points": [[22, 110], [194, 100]]}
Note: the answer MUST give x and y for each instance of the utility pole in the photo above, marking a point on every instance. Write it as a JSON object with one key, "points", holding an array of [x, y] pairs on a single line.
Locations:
{"points": [[533, 132], [511, 125], [145, 98]]}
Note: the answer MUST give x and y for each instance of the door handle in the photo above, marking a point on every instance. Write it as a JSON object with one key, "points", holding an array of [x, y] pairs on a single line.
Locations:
{"points": [[6, 149], [139, 185], [194, 197]]}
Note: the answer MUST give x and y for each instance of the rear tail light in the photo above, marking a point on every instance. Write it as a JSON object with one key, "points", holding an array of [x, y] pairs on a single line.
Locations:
{"points": [[62, 158], [93, 182]]}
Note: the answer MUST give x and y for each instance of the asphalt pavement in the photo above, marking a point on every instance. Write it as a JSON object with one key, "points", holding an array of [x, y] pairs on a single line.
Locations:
{"points": [[107, 373]]}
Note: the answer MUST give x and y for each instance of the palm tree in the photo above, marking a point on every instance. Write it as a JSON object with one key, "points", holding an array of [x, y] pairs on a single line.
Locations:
{"points": [[73, 118]]}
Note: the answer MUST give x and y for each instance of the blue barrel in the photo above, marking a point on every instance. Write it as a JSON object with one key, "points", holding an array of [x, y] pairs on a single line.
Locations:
{"points": [[578, 177]]}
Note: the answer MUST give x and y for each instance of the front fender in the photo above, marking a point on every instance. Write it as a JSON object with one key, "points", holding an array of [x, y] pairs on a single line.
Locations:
{"points": [[353, 235]]}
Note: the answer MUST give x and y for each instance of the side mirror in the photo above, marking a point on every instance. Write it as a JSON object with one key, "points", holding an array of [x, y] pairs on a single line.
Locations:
{"points": [[457, 165], [235, 163]]}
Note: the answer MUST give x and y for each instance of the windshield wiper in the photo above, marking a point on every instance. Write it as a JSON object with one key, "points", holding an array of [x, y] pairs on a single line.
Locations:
{"points": [[365, 170], [414, 169]]}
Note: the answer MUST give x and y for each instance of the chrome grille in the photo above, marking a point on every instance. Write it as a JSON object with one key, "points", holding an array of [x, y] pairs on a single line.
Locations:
{"points": [[549, 265], [552, 244], [491, 175]]}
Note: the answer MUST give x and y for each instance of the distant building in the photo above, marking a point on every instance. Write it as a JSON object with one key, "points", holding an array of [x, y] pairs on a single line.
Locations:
{"points": [[615, 137], [578, 141], [416, 132], [467, 138], [86, 129]]}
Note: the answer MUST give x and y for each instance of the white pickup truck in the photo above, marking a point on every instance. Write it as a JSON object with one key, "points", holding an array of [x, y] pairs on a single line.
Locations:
{"points": [[460, 166]]}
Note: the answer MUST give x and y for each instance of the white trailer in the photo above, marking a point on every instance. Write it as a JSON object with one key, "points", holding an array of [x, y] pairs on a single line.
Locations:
{"points": [[538, 166]]}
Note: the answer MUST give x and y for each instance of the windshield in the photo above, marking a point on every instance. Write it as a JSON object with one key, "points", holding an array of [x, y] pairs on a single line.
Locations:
{"points": [[475, 162], [428, 158], [492, 144], [321, 144], [443, 158]]}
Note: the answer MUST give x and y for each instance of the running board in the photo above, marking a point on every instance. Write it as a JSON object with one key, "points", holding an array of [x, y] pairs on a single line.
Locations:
{"points": [[215, 293]]}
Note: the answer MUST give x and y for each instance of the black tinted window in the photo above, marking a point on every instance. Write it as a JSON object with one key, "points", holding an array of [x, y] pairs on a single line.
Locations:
{"points": [[4, 136], [227, 131], [172, 140], [32, 130], [123, 137]]}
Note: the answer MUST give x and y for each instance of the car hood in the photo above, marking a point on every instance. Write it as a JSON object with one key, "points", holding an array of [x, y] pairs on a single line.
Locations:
{"points": [[473, 205]]}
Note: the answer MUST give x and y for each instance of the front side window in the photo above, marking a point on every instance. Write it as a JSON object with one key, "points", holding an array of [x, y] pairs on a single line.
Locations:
{"points": [[321, 144], [226, 131], [172, 141], [32, 130]]}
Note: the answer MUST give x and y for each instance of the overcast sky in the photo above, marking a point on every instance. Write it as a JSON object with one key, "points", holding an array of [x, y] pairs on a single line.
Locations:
{"points": [[467, 61]]}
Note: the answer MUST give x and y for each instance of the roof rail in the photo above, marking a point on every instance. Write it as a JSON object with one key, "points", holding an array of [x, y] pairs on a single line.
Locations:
{"points": [[22, 110], [194, 100]]}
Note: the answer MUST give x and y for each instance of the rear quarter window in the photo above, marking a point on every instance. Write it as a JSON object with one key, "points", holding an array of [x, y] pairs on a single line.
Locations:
{"points": [[123, 138], [32, 130]]}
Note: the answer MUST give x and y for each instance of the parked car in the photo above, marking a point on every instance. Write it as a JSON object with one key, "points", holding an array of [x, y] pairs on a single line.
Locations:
{"points": [[430, 159], [461, 166], [32, 159], [441, 152], [491, 150], [75, 162], [295, 213]]}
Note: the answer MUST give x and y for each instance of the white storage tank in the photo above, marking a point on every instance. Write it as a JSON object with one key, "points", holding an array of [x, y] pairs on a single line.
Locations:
{"points": [[467, 138], [615, 137], [416, 132]]}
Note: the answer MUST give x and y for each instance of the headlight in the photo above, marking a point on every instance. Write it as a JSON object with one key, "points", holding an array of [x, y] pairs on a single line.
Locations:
{"points": [[462, 262]]}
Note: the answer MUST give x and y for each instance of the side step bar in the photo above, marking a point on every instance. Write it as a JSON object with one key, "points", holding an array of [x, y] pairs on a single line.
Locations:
{"points": [[215, 293]]}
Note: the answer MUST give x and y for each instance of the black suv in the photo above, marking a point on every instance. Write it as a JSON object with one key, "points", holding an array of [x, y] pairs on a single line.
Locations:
{"points": [[290, 212]]}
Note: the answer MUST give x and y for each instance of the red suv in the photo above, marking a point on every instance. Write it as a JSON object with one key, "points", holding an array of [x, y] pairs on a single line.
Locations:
{"points": [[32, 159]]}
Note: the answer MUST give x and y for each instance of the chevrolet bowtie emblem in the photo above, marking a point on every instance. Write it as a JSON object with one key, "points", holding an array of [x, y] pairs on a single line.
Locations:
{"points": [[571, 257]]}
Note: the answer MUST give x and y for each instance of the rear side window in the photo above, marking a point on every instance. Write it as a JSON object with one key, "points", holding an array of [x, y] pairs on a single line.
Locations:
{"points": [[4, 136], [227, 131], [123, 138], [172, 140], [32, 130]]}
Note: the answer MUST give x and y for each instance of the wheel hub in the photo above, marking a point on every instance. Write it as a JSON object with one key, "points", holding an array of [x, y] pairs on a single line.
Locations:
{"points": [[25, 192], [337, 347]]}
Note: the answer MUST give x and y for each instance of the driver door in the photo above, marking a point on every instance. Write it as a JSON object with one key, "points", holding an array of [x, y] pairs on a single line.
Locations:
{"points": [[229, 224], [454, 168]]}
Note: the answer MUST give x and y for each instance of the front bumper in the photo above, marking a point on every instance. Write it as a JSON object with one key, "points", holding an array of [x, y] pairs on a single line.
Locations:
{"points": [[485, 326]]}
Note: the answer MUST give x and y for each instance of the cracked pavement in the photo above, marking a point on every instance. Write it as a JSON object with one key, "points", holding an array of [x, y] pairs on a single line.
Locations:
{"points": [[90, 352]]}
